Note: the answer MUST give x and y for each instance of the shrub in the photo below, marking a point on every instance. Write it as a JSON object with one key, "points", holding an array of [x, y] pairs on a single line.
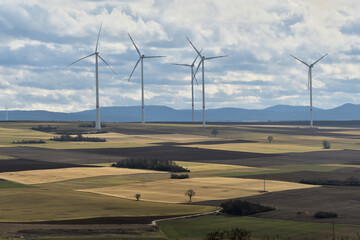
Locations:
{"points": [[47, 128], [325, 215], [233, 234], [28, 141], [270, 139], [78, 138], [151, 164], [243, 208], [90, 125], [179, 176], [326, 144]]}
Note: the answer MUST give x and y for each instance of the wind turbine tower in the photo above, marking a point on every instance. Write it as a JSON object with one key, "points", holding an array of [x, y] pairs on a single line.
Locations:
{"points": [[310, 66], [97, 56], [141, 58], [202, 61], [192, 83], [6, 113]]}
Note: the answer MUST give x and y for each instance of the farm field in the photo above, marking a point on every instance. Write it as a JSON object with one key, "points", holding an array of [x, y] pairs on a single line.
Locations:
{"points": [[73, 183]]}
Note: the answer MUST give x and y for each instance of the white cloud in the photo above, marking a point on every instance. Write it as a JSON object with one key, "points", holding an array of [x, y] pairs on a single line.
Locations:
{"points": [[40, 38]]}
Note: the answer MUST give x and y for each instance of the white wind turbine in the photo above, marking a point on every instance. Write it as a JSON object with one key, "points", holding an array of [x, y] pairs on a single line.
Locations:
{"points": [[203, 58], [310, 66], [192, 81], [142, 56], [6, 113], [96, 53]]}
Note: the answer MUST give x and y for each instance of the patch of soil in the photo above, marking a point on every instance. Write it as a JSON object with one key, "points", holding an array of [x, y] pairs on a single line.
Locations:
{"points": [[13, 165], [208, 142], [340, 174], [301, 204], [176, 153]]}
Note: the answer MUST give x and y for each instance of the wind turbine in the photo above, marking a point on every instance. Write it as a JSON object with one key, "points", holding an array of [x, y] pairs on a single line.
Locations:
{"points": [[202, 61], [192, 81], [142, 56], [310, 66], [6, 113], [97, 56]]}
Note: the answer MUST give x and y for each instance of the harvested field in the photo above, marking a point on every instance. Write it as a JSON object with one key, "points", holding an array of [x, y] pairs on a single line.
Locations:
{"points": [[61, 174], [201, 167], [13, 165], [176, 153], [340, 174], [173, 190]]}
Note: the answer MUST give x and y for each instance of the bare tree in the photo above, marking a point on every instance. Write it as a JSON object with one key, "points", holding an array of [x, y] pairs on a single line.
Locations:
{"points": [[190, 193], [138, 195], [215, 132]]}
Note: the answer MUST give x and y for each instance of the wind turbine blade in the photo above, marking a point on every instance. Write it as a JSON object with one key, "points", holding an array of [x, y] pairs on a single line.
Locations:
{"points": [[194, 47], [300, 60], [196, 80], [197, 69], [154, 56], [135, 45], [81, 59], [196, 58], [179, 64], [107, 64], [134, 68], [319, 59], [97, 42], [209, 58]]}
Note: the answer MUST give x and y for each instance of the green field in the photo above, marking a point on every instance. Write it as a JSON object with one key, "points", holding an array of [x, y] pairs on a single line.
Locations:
{"points": [[44, 204], [197, 228]]}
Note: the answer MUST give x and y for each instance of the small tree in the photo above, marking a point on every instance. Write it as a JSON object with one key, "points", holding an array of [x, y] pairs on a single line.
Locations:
{"points": [[138, 195], [270, 139], [326, 144], [215, 132], [190, 193]]}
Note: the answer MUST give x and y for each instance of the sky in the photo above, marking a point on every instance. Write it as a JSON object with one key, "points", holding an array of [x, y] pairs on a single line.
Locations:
{"points": [[39, 39]]}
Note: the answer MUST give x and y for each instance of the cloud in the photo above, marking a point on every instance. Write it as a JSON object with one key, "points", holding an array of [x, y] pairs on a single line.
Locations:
{"points": [[39, 39]]}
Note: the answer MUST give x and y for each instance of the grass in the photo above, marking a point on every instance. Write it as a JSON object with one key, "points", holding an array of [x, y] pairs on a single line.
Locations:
{"points": [[206, 188], [144, 235], [43, 204], [10, 184], [196, 228]]}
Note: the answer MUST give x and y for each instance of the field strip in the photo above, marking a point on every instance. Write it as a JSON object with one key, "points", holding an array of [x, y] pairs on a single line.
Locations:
{"points": [[206, 188], [200, 167], [261, 147], [61, 174]]}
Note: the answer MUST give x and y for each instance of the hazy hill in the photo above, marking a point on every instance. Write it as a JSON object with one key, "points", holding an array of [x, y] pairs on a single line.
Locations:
{"points": [[162, 113]]}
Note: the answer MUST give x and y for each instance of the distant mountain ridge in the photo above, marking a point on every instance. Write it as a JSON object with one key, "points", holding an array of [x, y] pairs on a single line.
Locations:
{"points": [[347, 111]]}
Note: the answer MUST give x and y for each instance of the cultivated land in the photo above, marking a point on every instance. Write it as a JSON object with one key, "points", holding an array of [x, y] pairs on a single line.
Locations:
{"points": [[45, 186]]}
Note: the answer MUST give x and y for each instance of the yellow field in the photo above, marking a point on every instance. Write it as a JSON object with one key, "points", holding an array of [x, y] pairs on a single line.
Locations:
{"points": [[55, 175], [207, 188], [261, 147], [201, 167]]}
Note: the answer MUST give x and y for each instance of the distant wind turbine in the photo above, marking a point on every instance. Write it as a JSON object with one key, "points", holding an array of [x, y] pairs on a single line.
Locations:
{"points": [[96, 53], [142, 56], [192, 81], [310, 66], [203, 58], [6, 113]]}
